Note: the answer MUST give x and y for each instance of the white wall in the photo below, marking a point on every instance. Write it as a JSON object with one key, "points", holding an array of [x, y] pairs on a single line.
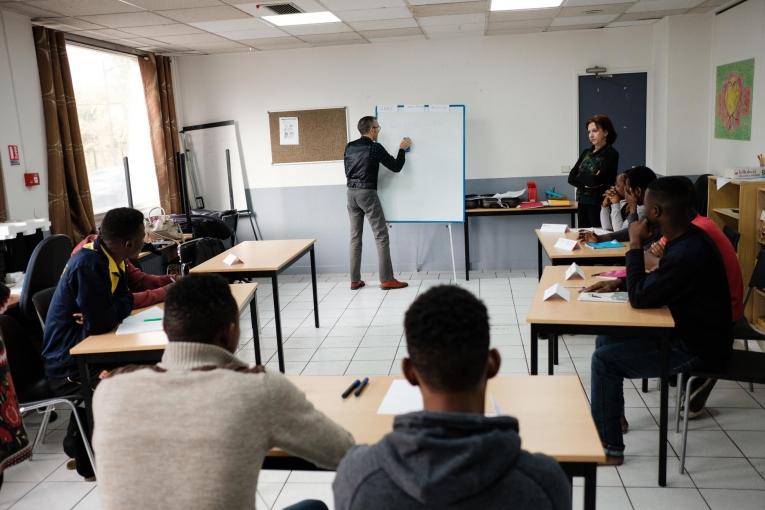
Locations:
{"points": [[739, 34], [21, 118], [520, 92]]}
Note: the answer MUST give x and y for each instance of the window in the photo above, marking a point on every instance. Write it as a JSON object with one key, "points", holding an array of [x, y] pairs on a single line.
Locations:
{"points": [[114, 123]]}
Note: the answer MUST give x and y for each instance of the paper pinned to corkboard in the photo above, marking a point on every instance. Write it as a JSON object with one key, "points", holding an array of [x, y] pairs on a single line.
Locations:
{"points": [[322, 135]]}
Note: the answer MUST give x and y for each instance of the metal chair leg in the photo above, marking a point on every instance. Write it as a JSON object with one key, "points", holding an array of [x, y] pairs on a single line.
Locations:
{"points": [[685, 422], [44, 423], [678, 394], [746, 348]]}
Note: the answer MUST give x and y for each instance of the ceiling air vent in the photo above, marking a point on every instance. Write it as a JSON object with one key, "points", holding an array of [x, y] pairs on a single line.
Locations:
{"points": [[283, 8]]}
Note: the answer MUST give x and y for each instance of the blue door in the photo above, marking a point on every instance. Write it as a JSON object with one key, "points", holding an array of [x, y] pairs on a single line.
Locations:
{"points": [[621, 97]]}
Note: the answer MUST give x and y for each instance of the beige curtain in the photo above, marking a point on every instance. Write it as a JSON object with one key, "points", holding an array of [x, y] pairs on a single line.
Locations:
{"points": [[69, 203], [163, 124]]}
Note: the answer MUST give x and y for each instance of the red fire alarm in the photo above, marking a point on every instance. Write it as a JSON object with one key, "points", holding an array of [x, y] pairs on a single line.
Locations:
{"points": [[32, 179]]}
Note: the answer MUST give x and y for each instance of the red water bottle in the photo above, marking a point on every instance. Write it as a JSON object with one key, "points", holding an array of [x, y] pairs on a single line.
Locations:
{"points": [[531, 186]]}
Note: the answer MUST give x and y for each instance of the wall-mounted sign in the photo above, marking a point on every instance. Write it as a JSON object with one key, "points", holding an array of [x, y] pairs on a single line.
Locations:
{"points": [[13, 154]]}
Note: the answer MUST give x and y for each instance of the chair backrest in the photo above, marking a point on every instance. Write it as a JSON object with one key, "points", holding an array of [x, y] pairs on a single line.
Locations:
{"points": [[41, 300], [732, 235], [758, 273], [208, 226], [702, 194], [44, 269], [196, 251]]}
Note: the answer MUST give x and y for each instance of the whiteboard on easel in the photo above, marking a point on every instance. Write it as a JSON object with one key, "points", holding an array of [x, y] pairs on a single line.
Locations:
{"points": [[207, 170], [431, 186]]}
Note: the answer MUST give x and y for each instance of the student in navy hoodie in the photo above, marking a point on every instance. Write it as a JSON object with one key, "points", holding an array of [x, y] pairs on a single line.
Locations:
{"points": [[450, 455], [91, 298]]}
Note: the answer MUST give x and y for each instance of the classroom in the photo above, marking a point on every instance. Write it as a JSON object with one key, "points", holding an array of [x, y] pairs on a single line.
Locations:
{"points": [[248, 135]]}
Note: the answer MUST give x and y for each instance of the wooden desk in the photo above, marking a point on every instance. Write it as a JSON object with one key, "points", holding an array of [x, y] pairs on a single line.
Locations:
{"points": [[553, 414], [514, 211], [557, 317], [266, 258], [111, 348], [582, 255]]}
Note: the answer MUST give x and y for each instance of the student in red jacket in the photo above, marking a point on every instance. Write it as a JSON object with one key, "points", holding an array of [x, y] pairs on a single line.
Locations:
{"points": [[147, 289]]}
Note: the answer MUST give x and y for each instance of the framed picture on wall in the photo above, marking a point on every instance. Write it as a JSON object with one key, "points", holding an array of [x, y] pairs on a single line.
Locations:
{"points": [[733, 100]]}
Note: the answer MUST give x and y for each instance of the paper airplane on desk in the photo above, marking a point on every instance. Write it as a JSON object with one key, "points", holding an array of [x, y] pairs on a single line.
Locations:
{"points": [[574, 270], [556, 290], [560, 228], [232, 259], [566, 244]]}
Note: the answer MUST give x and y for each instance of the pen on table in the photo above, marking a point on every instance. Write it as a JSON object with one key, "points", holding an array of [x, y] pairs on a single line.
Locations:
{"points": [[355, 384], [153, 320], [361, 387]]}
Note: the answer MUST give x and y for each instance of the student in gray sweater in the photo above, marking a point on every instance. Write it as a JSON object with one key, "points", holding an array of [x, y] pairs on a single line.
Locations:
{"points": [[450, 456], [191, 433]]}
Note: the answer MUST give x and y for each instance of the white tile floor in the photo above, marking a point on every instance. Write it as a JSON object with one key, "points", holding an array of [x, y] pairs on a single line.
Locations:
{"points": [[361, 334]]}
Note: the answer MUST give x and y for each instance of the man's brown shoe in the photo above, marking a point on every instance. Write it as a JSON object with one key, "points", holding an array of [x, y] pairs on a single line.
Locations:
{"points": [[612, 460], [357, 284], [393, 284]]}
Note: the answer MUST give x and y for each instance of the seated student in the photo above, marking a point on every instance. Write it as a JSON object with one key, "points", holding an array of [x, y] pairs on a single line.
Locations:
{"points": [[147, 289], [637, 180], [690, 280], [701, 388], [192, 432], [614, 209], [91, 298], [450, 455]]}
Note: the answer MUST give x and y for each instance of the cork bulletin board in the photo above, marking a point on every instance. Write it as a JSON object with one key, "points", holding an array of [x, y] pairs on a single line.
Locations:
{"points": [[303, 136]]}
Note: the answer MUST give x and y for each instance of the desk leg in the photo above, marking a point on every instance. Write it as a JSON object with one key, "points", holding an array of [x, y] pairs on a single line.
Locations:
{"points": [[572, 222], [467, 249], [255, 329], [313, 283], [555, 349], [539, 260], [278, 322], [86, 389], [590, 486], [534, 349], [664, 403], [551, 341]]}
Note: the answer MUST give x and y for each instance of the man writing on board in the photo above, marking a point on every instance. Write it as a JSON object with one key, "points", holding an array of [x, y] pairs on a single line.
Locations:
{"points": [[362, 164]]}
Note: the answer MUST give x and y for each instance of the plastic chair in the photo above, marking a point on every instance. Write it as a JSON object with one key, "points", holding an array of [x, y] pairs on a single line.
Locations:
{"points": [[44, 269], [194, 252], [732, 236]]}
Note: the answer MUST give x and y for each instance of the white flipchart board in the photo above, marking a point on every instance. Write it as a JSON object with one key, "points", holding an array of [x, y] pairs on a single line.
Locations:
{"points": [[205, 147], [431, 186]]}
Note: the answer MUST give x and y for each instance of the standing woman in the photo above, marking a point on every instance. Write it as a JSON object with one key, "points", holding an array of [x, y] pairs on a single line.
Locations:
{"points": [[595, 170]]}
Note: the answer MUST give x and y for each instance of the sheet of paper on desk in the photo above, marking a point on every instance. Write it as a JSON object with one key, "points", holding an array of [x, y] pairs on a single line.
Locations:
{"points": [[145, 321], [604, 297], [404, 398], [559, 228]]}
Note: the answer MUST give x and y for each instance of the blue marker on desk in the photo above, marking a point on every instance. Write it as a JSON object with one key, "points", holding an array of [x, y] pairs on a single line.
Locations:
{"points": [[361, 387], [350, 388]]}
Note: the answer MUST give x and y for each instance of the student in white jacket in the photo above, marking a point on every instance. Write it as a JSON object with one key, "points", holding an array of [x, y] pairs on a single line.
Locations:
{"points": [[614, 211]]}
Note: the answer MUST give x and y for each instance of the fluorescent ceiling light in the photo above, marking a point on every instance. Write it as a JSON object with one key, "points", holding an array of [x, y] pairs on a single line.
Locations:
{"points": [[523, 5], [304, 18]]}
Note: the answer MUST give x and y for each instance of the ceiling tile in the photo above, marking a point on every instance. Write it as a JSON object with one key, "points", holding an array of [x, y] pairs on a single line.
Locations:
{"points": [[591, 26], [159, 5], [232, 25], [456, 19], [575, 3], [453, 8], [259, 9], [518, 25], [374, 14], [67, 24], [275, 43], [174, 29], [455, 29], [617, 24], [106, 33], [633, 16], [512, 31], [194, 40], [320, 28], [345, 5], [383, 24], [261, 33], [521, 15], [204, 14], [327, 38], [137, 42], [663, 5], [132, 19], [223, 51], [589, 10], [29, 10], [394, 32], [601, 20], [426, 2], [84, 7]]}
